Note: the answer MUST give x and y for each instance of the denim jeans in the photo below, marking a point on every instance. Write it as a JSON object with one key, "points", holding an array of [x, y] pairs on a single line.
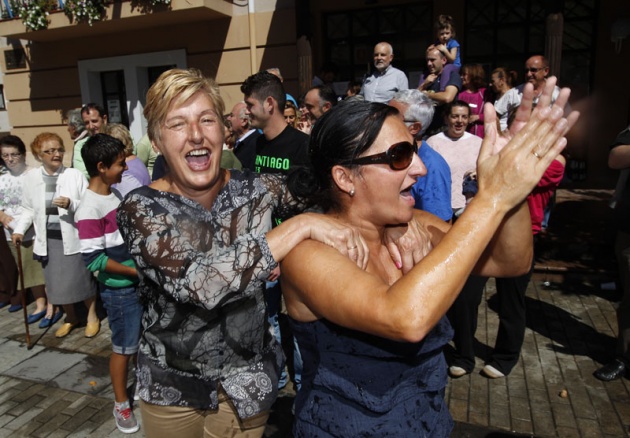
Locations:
{"points": [[124, 313]]}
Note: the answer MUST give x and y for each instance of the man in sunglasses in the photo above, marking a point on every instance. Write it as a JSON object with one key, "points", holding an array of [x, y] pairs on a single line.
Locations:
{"points": [[536, 72]]}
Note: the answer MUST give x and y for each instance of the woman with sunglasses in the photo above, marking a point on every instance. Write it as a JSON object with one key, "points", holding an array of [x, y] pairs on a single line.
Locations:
{"points": [[51, 195], [372, 339]]}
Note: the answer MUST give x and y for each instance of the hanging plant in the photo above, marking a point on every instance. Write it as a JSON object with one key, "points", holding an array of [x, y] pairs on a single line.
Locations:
{"points": [[149, 6], [33, 13], [81, 11]]}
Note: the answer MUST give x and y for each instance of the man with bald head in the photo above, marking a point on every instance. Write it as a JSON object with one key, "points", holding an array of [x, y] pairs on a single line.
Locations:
{"points": [[245, 135], [440, 90], [536, 72], [385, 80]]}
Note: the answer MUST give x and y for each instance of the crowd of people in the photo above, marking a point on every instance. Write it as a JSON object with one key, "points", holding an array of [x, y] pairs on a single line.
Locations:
{"points": [[363, 229]]}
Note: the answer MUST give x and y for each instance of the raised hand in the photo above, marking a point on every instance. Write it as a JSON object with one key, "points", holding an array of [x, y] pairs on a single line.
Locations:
{"points": [[509, 166]]}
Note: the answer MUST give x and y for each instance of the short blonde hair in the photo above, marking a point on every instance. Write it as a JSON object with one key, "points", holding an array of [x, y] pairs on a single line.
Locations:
{"points": [[176, 86], [36, 145], [121, 133]]}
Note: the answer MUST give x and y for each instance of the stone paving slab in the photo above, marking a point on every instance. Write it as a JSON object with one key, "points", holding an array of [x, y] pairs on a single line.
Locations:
{"points": [[88, 376], [12, 353], [46, 365]]}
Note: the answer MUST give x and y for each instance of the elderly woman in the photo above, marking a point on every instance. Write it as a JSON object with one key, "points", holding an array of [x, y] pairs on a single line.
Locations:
{"points": [[13, 153], [136, 174], [372, 339], [203, 245], [51, 195]]}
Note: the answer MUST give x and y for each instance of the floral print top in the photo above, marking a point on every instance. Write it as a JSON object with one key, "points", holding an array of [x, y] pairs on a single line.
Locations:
{"points": [[11, 200], [205, 329]]}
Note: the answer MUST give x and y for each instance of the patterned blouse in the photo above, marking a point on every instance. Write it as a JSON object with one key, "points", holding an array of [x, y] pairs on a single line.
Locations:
{"points": [[203, 273], [11, 200]]}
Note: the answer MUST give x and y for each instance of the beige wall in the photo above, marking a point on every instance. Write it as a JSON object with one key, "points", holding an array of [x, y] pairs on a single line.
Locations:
{"points": [[40, 94]]}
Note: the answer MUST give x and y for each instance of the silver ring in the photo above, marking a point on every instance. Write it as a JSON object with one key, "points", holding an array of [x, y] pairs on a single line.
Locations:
{"points": [[354, 247], [535, 154]]}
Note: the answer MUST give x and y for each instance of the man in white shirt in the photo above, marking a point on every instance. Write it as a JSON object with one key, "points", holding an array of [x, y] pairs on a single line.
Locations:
{"points": [[536, 72], [386, 80]]}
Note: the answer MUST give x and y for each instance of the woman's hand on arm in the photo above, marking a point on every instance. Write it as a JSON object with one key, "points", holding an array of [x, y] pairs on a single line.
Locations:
{"points": [[408, 244], [345, 239]]}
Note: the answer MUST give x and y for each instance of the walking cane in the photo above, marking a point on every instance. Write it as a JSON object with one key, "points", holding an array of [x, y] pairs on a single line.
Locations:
{"points": [[21, 274]]}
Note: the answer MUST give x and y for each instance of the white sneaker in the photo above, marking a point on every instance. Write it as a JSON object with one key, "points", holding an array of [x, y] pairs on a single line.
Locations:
{"points": [[455, 371], [491, 372]]}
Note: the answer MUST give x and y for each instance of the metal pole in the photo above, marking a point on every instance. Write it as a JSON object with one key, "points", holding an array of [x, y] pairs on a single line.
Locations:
{"points": [[253, 56], [18, 246]]}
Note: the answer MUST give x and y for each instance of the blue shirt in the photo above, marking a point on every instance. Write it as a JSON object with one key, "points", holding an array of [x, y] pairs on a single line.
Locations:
{"points": [[449, 45], [432, 192], [381, 86]]}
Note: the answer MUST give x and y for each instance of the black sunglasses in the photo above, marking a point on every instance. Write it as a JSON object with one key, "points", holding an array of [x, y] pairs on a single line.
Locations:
{"points": [[399, 156]]}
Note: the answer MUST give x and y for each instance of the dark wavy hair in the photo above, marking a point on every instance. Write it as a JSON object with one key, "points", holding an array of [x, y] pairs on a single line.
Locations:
{"points": [[14, 141], [101, 148], [476, 75], [340, 135], [262, 85]]}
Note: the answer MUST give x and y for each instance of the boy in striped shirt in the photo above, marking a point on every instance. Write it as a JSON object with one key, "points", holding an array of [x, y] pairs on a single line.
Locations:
{"points": [[104, 252]]}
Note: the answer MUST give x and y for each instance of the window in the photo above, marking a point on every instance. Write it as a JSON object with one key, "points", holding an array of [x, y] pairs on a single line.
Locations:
{"points": [[349, 37], [504, 33], [120, 83]]}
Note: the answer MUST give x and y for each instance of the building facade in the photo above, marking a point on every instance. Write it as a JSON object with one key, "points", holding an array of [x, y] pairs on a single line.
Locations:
{"points": [[113, 62]]}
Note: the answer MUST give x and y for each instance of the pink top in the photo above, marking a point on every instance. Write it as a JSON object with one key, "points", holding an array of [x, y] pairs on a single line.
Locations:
{"points": [[475, 101]]}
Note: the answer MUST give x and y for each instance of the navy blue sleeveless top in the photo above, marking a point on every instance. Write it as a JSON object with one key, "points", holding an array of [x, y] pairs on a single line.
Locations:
{"points": [[359, 385]]}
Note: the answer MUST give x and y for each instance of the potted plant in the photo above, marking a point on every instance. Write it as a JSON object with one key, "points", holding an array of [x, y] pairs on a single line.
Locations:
{"points": [[81, 11]]}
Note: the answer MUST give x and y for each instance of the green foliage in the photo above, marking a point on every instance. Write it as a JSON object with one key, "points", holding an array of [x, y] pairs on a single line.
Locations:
{"points": [[33, 13], [81, 11]]}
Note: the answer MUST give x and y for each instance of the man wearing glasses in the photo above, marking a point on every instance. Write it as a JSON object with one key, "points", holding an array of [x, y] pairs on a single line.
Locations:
{"points": [[536, 72]]}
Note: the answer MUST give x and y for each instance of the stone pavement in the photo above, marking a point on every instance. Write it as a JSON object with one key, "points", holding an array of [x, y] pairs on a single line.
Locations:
{"points": [[61, 387]]}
